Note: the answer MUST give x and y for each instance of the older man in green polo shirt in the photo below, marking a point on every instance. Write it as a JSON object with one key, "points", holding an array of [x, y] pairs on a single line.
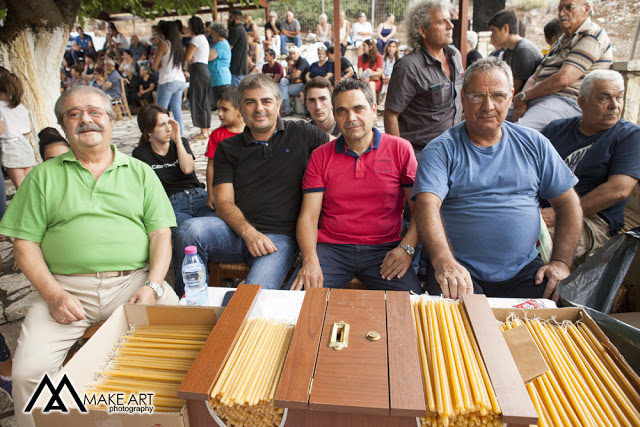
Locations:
{"points": [[91, 231]]}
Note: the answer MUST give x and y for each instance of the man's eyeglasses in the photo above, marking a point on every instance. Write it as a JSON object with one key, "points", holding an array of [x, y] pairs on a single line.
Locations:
{"points": [[76, 113], [567, 8], [496, 97]]}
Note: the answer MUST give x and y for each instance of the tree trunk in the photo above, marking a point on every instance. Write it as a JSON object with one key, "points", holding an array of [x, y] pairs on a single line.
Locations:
{"points": [[32, 44]]}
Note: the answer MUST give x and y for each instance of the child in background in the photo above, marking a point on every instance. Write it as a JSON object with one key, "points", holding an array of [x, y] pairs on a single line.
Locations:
{"points": [[391, 56], [231, 124], [18, 156]]}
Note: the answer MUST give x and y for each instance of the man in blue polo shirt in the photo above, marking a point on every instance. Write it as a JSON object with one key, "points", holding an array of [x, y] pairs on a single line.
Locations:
{"points": [[477, 190], [354, 194], [604, 152]]}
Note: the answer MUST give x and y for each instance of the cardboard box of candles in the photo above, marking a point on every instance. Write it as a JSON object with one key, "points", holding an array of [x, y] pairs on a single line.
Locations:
{"points": [[128, 373], [588, 381]]}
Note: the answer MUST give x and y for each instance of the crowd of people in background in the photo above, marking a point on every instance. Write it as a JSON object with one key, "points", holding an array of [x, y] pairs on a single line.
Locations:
{"points": [[462, 218]]}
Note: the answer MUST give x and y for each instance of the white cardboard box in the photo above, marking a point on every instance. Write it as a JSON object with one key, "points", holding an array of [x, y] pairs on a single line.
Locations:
{"points": [[92, 357]]}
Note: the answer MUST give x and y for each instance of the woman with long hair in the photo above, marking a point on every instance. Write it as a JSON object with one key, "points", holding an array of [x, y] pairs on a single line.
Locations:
{"points": [[168, 61], [389, 59], [18, 157], [370, 66], [200, 79], [162, 147]]}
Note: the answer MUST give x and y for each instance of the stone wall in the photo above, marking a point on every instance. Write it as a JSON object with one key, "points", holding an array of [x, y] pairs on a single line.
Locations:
{"points": [[630, 71]]}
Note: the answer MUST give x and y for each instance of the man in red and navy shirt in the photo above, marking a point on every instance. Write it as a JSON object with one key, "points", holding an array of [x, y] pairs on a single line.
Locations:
{"points": [[354, 191]]}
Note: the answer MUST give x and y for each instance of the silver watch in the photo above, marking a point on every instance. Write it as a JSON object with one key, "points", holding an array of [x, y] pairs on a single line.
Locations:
{"points": [[410, 249], [521, 96], [158, 290]]}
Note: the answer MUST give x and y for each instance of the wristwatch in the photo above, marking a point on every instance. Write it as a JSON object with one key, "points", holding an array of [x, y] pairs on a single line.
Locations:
{"points": [[410, 249], [522, 96], [158, 290]]}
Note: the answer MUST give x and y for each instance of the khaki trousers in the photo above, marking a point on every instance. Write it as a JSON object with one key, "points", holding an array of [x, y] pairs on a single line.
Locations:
{"points": [[44, 343], [595, 233]]}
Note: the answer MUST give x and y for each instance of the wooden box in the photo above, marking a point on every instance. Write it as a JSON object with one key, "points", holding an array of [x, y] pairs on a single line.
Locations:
{"points": [[368, 383]]}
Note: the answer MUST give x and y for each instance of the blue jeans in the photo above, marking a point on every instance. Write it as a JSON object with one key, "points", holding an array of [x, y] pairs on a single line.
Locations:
{"points": [[170, 95], [340, 263], [236, 79], [288, 89], [286, 39], [217, 242], [191, 203]]}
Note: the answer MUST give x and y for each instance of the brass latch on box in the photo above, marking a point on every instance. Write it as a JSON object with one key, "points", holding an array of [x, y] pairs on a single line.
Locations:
{"points": [[339, 335]]}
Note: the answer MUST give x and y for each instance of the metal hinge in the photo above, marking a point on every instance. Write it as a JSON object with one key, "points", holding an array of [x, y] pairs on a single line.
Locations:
{"points": [[310, 385]]}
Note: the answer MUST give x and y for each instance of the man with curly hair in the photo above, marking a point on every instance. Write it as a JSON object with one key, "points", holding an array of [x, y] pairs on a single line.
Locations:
{"points": [[424, 91], [423, 98]]}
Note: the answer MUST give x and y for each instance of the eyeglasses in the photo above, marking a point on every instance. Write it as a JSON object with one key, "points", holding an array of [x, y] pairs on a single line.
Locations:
{"points": [[496, 97], [76, 113], [567, 8]]}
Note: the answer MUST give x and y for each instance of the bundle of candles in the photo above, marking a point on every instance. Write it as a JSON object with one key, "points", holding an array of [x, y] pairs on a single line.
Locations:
{"points": [[457, 387], [584, 385], [243, 394], [153, 359]]}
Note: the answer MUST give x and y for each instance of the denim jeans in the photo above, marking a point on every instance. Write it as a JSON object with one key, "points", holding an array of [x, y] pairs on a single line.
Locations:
{"points": [[289, 89], [217, 242], [191, 203], [286, 39], [170, 95], [236, 79], [340, 263]]}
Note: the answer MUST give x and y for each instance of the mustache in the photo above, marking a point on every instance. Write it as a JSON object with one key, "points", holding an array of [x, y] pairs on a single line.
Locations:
{"points": [[88, 127], [352, 123]]}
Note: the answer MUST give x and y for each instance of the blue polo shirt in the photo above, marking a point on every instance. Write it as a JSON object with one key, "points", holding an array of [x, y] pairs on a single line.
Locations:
{"points": [[363, 195]]}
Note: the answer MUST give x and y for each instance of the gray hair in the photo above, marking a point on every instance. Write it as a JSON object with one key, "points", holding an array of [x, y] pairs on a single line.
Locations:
{"points": [[590, 80], [472, 37], [58, 109], [257, 81], [486, 65], [220, 29], [322, 48], [419, 16], [353, 84]]}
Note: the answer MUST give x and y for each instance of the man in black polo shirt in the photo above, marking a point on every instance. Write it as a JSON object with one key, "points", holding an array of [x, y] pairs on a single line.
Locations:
{"points": [[257, 189]]}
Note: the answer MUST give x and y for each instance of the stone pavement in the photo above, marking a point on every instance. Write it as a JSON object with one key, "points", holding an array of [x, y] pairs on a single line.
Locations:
{"points": [[16, 292]]}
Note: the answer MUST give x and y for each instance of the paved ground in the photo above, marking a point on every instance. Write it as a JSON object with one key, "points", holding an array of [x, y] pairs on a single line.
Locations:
{"points": [[16, 292]]}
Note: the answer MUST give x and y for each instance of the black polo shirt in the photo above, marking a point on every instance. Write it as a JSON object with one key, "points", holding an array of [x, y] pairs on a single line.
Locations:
{"points": [[267, 175], [428, 102]]}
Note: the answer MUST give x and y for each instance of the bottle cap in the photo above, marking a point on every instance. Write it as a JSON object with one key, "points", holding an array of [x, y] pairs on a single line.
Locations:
{"points": [[190, 250]]}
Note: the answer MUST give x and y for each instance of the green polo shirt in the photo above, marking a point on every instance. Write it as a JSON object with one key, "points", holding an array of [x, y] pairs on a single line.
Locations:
{"points": [[86, 225]]}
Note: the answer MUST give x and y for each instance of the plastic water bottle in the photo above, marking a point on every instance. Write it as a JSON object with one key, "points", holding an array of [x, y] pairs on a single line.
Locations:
{"points": [[194, 277]]}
